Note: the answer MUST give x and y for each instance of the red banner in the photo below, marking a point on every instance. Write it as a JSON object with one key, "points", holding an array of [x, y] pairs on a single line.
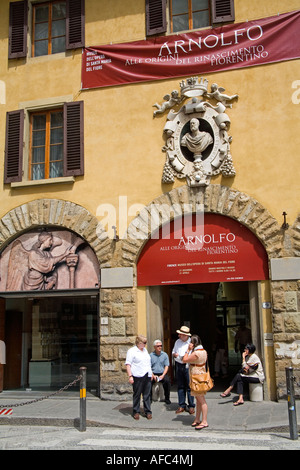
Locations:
{"points": [[222, 251], [228, 47]]}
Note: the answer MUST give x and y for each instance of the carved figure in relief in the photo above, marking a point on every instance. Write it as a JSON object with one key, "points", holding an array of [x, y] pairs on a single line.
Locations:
{"points": [[217, 93], [171, 100], [196, 141], [35, 269], [210, 147]]}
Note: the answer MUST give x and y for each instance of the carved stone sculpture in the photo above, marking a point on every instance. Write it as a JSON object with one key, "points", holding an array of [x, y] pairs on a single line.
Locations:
{"points": [[197, 143], [35, 269]]}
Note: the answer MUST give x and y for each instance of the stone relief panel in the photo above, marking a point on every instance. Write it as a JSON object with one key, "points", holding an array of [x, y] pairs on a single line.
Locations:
{"points": [[48, 260]]}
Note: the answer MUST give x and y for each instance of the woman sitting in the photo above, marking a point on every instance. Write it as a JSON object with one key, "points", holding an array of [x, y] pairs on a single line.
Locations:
{"points": [[252, 372]]}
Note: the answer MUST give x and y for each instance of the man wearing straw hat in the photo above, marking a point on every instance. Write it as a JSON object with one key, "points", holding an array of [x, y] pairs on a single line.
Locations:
{"points": [[182, 371]]}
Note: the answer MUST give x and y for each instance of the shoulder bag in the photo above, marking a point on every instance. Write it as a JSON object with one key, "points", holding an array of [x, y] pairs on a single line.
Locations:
{"points": [[201, 383]]}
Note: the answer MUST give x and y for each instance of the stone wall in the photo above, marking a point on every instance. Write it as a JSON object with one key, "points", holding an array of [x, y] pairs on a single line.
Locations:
{"points": [[286, 330], [117, 332]]}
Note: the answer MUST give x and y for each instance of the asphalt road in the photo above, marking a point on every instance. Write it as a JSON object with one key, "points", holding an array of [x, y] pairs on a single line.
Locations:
{"points": [[101, 438]]}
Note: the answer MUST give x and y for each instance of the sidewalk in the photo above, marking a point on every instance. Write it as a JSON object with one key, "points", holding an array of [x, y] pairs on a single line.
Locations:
{"points": [[64, 409]]}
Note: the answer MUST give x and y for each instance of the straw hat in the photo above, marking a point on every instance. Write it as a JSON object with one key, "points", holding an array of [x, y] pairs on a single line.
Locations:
{"points": [[184, 330]]}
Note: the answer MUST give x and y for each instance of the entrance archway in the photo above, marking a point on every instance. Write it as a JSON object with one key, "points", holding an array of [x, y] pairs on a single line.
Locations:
{"points": [[50, 279], [187, 266], [218, 200]]}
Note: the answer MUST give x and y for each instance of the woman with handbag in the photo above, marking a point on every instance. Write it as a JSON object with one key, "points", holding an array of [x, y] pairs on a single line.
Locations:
{"points": [[196, 357], [251, 372]]}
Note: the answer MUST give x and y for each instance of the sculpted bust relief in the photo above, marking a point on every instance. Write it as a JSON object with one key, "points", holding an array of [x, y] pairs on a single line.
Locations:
{"points": [[196, 141], [204, 151]]}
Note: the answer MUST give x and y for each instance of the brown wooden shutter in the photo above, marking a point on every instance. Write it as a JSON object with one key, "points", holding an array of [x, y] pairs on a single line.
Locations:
{"points": [[222, 11], [156, 20], [18, 20], [73, 139], [13, 163], [75, 24]]}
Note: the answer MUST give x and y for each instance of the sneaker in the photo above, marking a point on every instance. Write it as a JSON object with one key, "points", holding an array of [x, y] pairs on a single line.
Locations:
{"points": [[167, 402]]}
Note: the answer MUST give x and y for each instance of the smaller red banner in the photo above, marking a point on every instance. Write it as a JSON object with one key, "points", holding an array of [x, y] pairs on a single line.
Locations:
{"points": [[221, 251]]}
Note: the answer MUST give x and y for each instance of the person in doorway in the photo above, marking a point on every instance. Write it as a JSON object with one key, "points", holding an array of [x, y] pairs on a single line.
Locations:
{"points": [[251, 372], [221, 359], [2, 362], [243, 337], [196, 357], [182, 371], [160, 365], [138, 366]]}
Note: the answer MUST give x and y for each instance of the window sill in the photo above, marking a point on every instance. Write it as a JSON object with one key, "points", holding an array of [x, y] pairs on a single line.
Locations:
{"points": [[47, 57], [63, 179]]}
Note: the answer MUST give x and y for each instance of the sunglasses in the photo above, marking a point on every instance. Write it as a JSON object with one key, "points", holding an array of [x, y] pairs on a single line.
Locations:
{"points": [[158, 345]]}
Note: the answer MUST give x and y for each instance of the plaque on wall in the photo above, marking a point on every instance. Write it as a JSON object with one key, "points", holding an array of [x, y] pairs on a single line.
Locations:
{"points": [[48, 260]]}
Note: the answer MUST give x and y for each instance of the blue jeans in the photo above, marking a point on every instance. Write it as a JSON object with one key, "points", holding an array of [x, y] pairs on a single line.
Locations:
{"points": [[183, 386]]}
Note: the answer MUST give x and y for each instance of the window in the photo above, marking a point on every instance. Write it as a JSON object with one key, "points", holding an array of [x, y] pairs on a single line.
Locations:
{"points": [[186, 14], [57, 25], [55, 147], [49, 28], [189, 14], [46, 145]]}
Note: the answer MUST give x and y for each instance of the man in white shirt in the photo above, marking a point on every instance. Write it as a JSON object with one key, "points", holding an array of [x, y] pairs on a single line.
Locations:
{"points": [[182, 371], [138, 366]]}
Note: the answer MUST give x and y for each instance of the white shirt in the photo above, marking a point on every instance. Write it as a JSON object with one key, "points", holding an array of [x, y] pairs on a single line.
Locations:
{"points": [[259, 372], [181, 348], [139, 361]]}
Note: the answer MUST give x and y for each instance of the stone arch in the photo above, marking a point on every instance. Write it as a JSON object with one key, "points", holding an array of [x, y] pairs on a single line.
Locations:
{"points": [[215, 199], [295, 235], [57, 213]]}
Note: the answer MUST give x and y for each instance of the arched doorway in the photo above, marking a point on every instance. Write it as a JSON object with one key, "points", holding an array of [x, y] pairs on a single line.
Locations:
{"points": [[203, 275], [50, 285]]}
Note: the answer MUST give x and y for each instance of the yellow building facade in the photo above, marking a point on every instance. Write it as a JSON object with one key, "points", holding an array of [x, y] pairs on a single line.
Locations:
{"points": [[98, 195]]}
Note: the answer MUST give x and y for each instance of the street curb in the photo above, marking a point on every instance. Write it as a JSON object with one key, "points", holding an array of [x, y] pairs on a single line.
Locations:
{"points": [[63, 422]]}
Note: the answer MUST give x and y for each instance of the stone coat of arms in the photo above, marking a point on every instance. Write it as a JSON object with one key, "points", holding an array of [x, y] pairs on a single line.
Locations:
{"points": [[197, 141]]}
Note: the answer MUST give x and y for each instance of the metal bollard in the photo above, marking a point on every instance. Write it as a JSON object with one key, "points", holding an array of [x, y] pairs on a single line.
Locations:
{"points": [[291, 403], [82, 423]]}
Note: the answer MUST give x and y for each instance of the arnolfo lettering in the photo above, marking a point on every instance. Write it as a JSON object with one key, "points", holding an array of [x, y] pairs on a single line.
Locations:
{"points": [[207, 239], [253, 33]]}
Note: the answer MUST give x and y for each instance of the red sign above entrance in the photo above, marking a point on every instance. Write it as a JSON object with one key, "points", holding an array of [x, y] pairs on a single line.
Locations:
{"points": [[221, 251]]}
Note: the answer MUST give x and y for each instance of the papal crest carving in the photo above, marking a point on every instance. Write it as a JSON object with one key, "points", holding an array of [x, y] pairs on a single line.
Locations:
{"points": [[197, 142]]}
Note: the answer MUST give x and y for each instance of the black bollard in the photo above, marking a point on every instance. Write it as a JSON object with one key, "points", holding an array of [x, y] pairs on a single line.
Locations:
{"points": [[291, 403]]}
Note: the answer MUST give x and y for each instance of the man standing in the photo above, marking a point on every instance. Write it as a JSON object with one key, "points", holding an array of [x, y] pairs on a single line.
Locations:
{"points": [[138, 366], [160, 366], [182, 371], [243, 337]]}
